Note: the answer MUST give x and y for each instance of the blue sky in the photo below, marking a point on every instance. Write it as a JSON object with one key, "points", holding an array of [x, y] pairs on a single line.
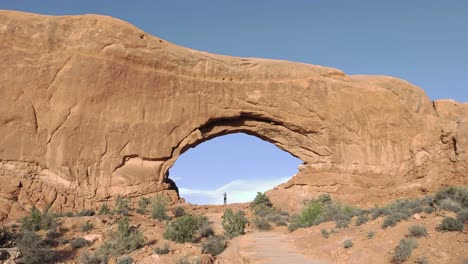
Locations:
{"points": [[422, 41]]}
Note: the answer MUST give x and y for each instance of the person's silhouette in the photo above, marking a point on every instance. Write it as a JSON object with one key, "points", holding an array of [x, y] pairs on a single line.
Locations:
{"points": [[225, 197]]}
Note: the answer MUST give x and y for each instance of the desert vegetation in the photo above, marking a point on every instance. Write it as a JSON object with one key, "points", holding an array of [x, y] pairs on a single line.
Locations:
{"points": [[40, 236]]}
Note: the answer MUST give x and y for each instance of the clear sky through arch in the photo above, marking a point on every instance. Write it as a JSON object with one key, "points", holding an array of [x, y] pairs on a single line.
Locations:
{"points": [[238, 164]]}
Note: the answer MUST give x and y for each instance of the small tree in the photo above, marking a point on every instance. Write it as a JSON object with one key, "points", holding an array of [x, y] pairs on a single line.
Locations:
{"points": [[34, 250], [122, 206], [233, 223], [159, 208]]}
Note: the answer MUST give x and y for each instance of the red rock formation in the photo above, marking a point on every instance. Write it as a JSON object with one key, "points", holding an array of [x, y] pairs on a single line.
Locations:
{"points": [[92, 107]]}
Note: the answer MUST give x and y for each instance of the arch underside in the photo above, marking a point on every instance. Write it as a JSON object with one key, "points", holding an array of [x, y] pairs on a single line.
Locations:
{"points": [[277, 133]]}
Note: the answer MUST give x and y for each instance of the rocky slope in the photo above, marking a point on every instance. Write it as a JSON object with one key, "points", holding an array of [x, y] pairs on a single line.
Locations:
{"points": [[91, 107]]}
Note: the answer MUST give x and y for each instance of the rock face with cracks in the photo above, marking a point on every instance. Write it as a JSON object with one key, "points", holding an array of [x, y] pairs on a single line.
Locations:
{"points": [[91, 108]]}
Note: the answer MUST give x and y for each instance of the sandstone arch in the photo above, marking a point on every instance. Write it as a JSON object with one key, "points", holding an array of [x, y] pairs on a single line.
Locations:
{"points": [[92, 107]]}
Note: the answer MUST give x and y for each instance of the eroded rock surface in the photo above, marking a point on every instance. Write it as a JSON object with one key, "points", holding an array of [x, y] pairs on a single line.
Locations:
{"points": [[91, 107]]}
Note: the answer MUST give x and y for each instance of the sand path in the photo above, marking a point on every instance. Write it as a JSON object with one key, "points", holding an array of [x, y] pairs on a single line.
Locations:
{"points": [[268, 247]]}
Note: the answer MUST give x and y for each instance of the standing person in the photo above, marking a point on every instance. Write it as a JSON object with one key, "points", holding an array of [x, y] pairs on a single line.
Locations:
{"points": [[225, 198]]}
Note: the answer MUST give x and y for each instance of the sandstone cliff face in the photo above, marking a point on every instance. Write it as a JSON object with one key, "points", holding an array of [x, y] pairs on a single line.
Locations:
{"points": [[92, 107]]}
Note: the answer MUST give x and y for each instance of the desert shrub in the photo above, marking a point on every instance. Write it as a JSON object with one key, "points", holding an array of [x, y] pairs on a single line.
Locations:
{"points": [[214, 245], [417, 231], [450, 224], [33, 222], [260, 200], [325, 233], [182, 229], [404, 249], [308, 216], [261, 223], [206, 230], [124, 240], [462, 215], [348, 243], [122, 206], [457, 194], [68, 214], [263, 210], [162, 250], [104, 210], [125, 260], [34, 250], [6, 237], [79, 243], [370, 234], [37, 221], [449, 205], [86, 213], [322, 209], [278, 218], [52, 233], [187, 260], [233, 223], [429, 210], [361, 219], [178, 211], [143, 203], [96, 258], [159, 207], [86, 227]]}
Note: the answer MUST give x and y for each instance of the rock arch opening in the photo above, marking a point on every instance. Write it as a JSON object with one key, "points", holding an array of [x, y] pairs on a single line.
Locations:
{"points": [[236, 163]]}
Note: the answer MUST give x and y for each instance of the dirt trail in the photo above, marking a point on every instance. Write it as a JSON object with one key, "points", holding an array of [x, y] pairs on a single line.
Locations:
{"points": [[263, 247], [271, 247]]}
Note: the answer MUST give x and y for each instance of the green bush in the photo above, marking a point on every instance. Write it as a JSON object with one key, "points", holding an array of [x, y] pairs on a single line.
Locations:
{"points": [[450, 205], [322, 209], [96, 258], [361, 219], [143, 203], [309, 215], [79, 243], [463, 215], [124, 240], [33, 222], [125, 260], [417, 231], [325, 233], [450, 224], [183, 229], [86, 213], [37, 221], [162, 250], [348, 243], [52, 233], [404, 249], [260, 200], [458, 194], [122, 206], [214, 245], [429, 210], [6, 237], [370, 234], [178, 211], [159, 208], [86, 227], [233, 223], [104, 210], [34, 250], [261, 223]]}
